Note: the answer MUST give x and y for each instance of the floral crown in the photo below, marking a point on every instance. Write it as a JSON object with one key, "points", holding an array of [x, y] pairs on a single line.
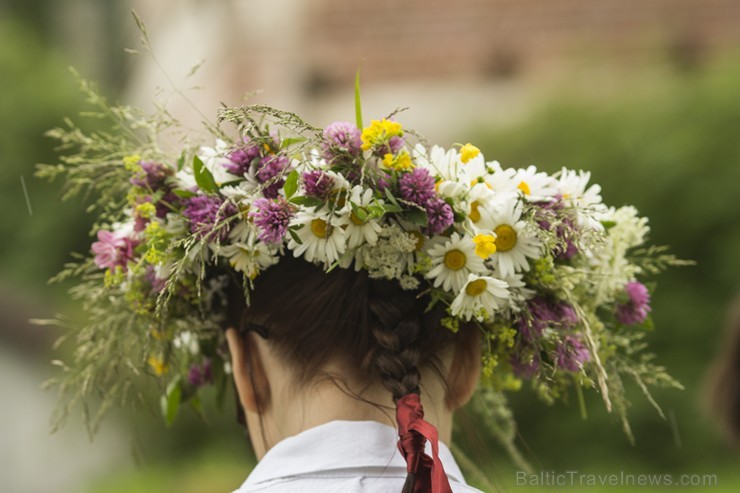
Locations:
{"points": [[549, 273]]}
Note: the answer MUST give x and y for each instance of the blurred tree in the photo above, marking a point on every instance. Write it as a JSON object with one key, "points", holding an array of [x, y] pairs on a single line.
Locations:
{"points": [[38, 232], [668, 146]]}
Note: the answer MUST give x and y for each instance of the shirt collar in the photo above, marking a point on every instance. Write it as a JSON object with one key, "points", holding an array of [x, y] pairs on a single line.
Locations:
{"points": [[341, 446]]}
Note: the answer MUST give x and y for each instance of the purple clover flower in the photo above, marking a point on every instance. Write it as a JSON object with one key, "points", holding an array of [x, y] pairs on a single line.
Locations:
{"points": [[152, 176], [417, 186], [571, 353], [524, 369], [199, 375], [545, 313], [202, 211], [542, 316], [242, 157], [394, 145], [318, 184], [269, 169], [439, 214], [165, 204], [548, 213], [113, 250], [341, 137], [566, 314], [272, 218], [635, 311]]}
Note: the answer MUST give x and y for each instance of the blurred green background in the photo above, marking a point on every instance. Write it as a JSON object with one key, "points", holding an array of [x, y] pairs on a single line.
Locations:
{"points": [[661, 134]]}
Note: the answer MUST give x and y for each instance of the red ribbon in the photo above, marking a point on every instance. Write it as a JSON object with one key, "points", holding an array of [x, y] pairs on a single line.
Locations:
{"points": [[414, 432]]}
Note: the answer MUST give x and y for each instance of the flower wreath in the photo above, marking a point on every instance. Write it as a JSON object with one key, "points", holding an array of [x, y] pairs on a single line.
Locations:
{"points": [[548, 272]]}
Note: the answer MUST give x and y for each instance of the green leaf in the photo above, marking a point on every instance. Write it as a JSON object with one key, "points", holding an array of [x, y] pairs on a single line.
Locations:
{"points": [[181, 161], [306, 201], [392, 200], [291, 141], [458, 216], [203, 176], [359, 212], [197, 406], [375, 210], [648, 324], [184, 193], [608, 224], [417, 216], [390, 208], [170, 402], [358, 103], [291, 184], [295, 236]]}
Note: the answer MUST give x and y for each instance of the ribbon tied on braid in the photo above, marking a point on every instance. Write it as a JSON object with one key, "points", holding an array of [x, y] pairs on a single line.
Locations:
{"points": [[414, 431]]}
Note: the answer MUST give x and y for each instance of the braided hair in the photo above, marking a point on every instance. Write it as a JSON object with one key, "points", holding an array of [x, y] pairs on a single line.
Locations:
{"points": [[380, 332]]}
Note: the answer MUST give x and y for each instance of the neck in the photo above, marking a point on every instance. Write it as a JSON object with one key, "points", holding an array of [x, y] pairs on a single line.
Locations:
{"points": [[292, 412]]}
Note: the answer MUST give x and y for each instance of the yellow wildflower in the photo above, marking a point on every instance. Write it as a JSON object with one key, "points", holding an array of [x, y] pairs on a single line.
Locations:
{"points": [[159, 366], [398, 162], [379, 132], [146, 210], [485, 245], [468, 152], [131, 163]]}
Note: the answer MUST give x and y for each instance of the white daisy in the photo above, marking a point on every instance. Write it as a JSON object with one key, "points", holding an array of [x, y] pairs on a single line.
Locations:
{"points": [[501, 181], [439, 162], [519, 293], [572, 185], [321, 235], [453, 261], [360, 230], [480, 298], [249, 259], [213, 159], [535, 185], [241, 191], [479, 197], [243, 231], [514, 241]]}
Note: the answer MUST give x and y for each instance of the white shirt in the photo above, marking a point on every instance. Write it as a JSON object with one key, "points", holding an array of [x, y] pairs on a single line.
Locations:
{"points": [[341, 456]]}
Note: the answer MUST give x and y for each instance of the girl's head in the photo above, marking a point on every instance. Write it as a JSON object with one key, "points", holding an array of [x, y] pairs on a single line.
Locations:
{"points": [[366, 337]]}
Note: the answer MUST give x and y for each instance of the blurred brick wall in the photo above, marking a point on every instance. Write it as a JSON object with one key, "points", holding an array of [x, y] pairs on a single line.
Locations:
{"points": [[453, 62], [499, 38]]}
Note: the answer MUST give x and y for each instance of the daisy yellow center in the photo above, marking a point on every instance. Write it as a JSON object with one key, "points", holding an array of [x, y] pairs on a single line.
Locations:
{"points": [[505, 237], [455, 260], [319, 228], [474, 212], [419, 238], [524, 187], [476, 288], [339, 197]]}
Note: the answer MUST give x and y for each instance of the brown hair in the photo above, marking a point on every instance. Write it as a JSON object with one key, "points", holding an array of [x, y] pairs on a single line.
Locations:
{"points": [[374, 328], [722, 392]]}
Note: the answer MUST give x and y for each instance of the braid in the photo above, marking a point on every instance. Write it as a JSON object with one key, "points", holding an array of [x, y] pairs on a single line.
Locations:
{"points": [[395, 327]]}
